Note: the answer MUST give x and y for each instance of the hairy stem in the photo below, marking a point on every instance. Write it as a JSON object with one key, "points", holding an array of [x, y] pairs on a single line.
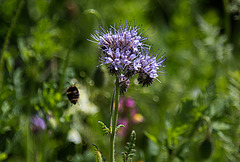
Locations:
{"points": [[114, 122], [113, 97]]}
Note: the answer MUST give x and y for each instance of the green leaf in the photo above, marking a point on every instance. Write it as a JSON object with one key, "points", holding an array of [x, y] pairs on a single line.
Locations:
{"points": [[151, 137], [219, 126], [98, 153], [105, 129]]}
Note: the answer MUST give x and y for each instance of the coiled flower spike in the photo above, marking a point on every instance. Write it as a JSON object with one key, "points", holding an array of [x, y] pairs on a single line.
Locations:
{"points": [[149, 68]]}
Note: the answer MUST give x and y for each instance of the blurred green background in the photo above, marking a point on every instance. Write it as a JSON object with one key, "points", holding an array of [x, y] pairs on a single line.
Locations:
{"points": [[193, 115]]}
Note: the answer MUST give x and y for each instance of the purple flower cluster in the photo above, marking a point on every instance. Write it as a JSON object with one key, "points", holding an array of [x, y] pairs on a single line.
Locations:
{"points": [[124, 51], [37, 124]]}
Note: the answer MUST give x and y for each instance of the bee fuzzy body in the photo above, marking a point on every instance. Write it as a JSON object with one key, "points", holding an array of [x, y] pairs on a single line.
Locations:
{"points": [[73, 94]]}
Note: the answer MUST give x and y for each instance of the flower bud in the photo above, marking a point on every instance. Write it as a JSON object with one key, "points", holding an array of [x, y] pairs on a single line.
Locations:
{"points": [[124, 84]]}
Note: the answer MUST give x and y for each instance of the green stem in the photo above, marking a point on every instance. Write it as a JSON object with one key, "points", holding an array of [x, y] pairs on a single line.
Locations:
{"points": [[28, 143], [14, 21], [65, 67], [114, 122], [113, 97]]}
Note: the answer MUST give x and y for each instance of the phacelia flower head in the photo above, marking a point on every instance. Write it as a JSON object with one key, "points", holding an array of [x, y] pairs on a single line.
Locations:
{"points": [[119, 47], [125, 53]]}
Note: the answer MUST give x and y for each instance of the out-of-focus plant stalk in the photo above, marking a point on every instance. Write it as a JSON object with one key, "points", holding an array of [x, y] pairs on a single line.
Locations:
{"points": [[114, 122], [28, 143], [65, 67], [227, 19], [14, 21], [67, 59]]}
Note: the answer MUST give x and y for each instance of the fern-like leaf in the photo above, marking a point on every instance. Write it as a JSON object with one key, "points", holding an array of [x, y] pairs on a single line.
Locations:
{"points": [[234, 88], [119, 126], [99, 155], [129, 148], [106, 130]]}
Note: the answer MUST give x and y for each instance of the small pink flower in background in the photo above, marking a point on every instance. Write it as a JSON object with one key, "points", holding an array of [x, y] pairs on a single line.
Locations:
{"points": [[120, 104], [125, 103], [128, 115], [129, 103]]}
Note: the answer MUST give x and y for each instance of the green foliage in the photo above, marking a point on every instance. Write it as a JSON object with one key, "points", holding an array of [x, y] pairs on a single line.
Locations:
{"points": [[129, 148], [234, 88], [44, 35]]}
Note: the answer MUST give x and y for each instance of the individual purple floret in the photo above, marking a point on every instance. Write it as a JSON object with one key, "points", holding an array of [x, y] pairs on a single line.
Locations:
{"points": [[37, 124]]}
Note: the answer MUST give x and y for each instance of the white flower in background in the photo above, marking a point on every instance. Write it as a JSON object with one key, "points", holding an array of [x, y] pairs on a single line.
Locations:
{"points": [[74, 136]]}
